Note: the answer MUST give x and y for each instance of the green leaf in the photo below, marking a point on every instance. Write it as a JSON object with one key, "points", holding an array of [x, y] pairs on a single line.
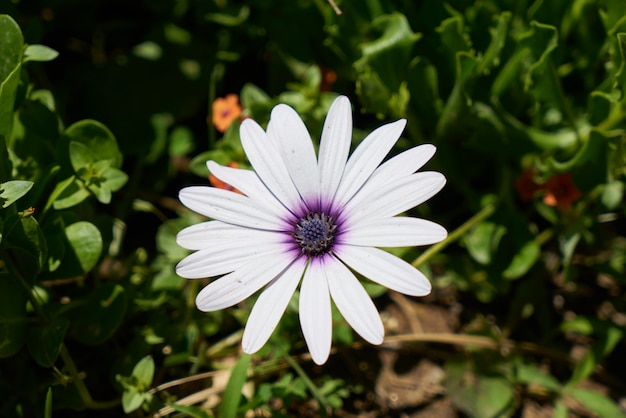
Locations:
{"points": [[100, 315], [26, 244], [148, 50], [598, 403], [39, 53], [562, 139], [580, 324], [11, 45], [525, 258], [567, 244], [612, 194], [560, 410], [181, 141], [160, 124], [229, 19], [539, 41], [144, 372], [132, 399], [198, 163], [383, 66], [610, 336], [93, 142], [67, 193], [491, 57], [13, 190], [81, 157], [48, 406], [86, 242], [529, 374], [483, 240], [190, 411], [44, 341], [454, 38], [478, 395], [12, 315], [232, 394], [114, 178], [253, 97]]}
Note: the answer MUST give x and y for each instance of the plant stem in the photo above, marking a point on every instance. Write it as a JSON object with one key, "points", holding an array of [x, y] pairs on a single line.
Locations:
{"points": [[485, 212], [324, 405]]}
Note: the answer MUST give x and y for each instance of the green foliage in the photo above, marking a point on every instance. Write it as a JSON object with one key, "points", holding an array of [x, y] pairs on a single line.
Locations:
{"points": [[103, 118], [137, 384], [232, 392]]}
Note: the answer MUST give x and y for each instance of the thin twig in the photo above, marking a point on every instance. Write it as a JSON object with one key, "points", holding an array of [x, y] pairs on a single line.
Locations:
{"points": [[485, 212], [335, 7]]}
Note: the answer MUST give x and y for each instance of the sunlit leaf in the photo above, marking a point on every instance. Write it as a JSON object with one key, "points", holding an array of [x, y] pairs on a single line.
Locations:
{"points": [[39, 53], [483, 240], [86, 242], [529, 374], [600, 404], [229, 19], [526, 257], [11, 45], [13, 190], [97, 143], [144, 372]]}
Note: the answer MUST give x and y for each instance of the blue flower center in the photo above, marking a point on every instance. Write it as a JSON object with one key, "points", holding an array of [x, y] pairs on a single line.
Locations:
{"points": [[315, 233]]}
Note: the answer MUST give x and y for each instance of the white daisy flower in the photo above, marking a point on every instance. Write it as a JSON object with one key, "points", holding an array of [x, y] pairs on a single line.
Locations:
{"points": [[312, 218]]}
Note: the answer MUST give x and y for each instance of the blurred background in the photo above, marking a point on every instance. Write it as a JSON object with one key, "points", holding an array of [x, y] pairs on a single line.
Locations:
{"points": [[109, 108]]}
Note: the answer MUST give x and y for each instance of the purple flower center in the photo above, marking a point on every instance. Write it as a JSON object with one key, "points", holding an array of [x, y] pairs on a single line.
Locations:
{"points": [[315, 233]]}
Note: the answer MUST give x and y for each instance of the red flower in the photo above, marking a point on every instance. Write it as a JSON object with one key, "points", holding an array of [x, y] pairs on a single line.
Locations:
{"points": [[561, 192], [328, 79]]}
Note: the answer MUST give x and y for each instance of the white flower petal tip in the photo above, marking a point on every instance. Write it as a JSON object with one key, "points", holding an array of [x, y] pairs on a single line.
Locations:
{"points": [[315, 311], [310, 219], [270, 307]]}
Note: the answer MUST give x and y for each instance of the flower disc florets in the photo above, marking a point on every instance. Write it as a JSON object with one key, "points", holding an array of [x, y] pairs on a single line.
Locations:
{"points": [[315, 233]]}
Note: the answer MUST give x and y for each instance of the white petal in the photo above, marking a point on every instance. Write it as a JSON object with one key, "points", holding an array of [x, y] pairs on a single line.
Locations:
{"points": [[247, 182], [335, 146], [212, 234], [397, 197], [403, 164], [353, 302], [293, 141], [230, 207], [315, 312], [270, 306], [268, 164], [225, 258], [243, 282], [367, 157], [385, 269], [393, 232]]}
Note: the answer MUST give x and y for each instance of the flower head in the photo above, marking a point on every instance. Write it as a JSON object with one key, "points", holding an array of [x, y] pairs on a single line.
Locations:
{"points": [[314, 219], [561, 192], [225, 111]]}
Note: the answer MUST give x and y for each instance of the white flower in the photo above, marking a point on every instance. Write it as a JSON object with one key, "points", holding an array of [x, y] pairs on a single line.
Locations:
{"points": [[309, 218]]}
